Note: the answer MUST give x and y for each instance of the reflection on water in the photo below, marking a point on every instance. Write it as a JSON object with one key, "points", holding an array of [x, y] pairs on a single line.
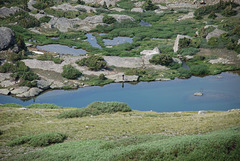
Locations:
{"points": [[117, 40], [61, 49]]}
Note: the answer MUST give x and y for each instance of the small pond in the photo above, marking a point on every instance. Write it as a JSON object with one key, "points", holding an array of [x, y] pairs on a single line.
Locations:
{"points": [[143, 23], [92, 40], [62, 49], [220, 92], [117, 40]]}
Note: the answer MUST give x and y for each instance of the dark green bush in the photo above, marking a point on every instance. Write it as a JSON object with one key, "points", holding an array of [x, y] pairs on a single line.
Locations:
{"points": [[1, 132], [108, 19], [212, 15], [93, 62], [161, 59], [102, 77], [148, 5], [199, 70], [183, 43], [45, 19], [40, 140], [26, 21], [184, 73], [70, 72], [110, 107], [44, 106], [228, 11], [7, 67], [81, 2]]}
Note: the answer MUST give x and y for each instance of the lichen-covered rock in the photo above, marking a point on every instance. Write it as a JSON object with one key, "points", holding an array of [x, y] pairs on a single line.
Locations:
{"points": [[176, 44], [7, 83], [5, 12], [215, 33], [7, 38], [19, 90]]}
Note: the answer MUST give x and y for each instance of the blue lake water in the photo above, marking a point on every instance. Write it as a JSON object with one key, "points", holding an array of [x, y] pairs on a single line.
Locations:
{"points": [[165, 96], [143, 23], [117, 40], [61, 49], [92, 40]]}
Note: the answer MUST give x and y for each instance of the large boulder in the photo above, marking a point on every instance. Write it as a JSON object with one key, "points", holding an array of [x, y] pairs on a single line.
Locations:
{"points": [[43, 84], [4, 91], [7, 38], [5, 12], [176, 44]]}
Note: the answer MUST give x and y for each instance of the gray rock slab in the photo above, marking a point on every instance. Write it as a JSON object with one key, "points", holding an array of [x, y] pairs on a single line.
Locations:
{"points": [[7, 83], [215, 33], [121, 18], [126, 62], [31, 93], [176, 44], [44, 84], [7, 38], [5, 12]]}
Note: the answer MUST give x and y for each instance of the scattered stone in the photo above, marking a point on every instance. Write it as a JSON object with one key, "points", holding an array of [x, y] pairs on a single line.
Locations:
{"points": [[109, 46], [220, 61], [201, 112], [207, 26], [150, 52], [38, 52], [189, 57], [162, 7], [31, 93], [19, 90], [198, 94], [87, 8], [139, 4], [215, 33], [23, 108], [35, 30], [238, 56], [238, 41], [43, 84], [121, 18], [179, 37], [5, 76], [158, 11], [187, 16], [140, 10], [6, 12], [28, 45], [117, 9], [182, 5], [64, 7], [162, 79], [4, 91]]}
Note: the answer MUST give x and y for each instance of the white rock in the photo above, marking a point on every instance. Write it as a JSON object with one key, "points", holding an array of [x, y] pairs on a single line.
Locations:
{"points": [[23, 108], [198, 94], [150, 52], [220, 61], [201, 112], [121, 18], [187, 16], [5, 76]]}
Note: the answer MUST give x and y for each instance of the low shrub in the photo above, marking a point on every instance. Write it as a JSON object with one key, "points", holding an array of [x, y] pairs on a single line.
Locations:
{"points": [[184, 73], [70, 72], [93, 62], [108, 19], [44, 106], [96, 108], [49, 57], [199, 70], [102, 77], [183, 43], [45, 19], [40, 140], [11, 105], [110, 107], [148, 5], [161, 59]]}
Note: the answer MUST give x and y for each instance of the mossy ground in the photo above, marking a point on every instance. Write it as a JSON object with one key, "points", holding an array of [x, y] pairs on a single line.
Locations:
{"points": [[16, 123]]}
